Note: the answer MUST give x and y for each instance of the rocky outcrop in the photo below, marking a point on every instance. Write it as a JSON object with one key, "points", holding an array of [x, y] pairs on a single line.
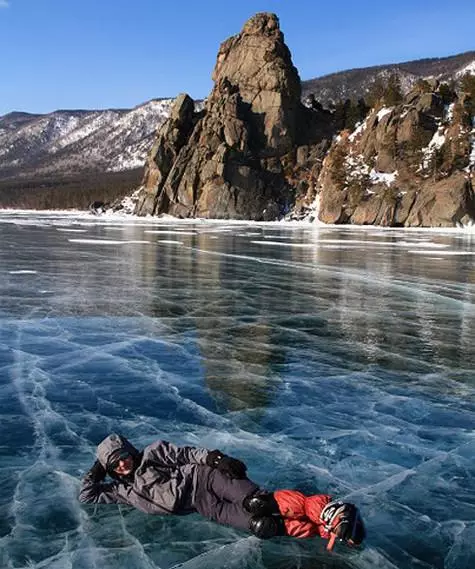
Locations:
{"points": [[407, 165], [256, 152], [238, 158]]}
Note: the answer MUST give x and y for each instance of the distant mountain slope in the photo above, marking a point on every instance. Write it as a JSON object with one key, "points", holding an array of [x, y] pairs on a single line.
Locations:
{"points": [[66, 142], [356, 83]]}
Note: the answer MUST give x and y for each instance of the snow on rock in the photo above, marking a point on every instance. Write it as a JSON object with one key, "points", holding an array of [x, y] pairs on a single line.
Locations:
{"points": [[310, 214], [358, 170], [435, 144], [127, 205], [449, 112], [387, 178], [383, 112], [470, 69], [471, 158], [360, 128], [356, 167]]}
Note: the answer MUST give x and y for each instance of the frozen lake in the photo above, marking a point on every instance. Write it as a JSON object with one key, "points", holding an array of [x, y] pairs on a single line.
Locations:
{"points": [[336, 360]]}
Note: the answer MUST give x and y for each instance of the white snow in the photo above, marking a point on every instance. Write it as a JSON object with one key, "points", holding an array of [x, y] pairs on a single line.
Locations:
{"points": [[435, 144], [77, 129], [449, 112], [471, 158], [68, 141], [128, 204], [383, 112], [360, 128], [356, 167], [383, 177], [472, 155], [470, 69]]}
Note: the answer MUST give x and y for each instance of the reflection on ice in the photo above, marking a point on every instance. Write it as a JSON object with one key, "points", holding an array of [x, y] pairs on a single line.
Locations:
{"points": [[22, 272], [426, 251], [334, 370], [107, 241]]}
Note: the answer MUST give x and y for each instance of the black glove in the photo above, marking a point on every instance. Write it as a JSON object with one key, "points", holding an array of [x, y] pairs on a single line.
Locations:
{"points": [[97, 472], [233, 467], [342, 520]]}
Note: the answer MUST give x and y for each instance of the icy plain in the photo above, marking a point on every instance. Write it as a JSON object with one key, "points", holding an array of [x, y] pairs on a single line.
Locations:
{"points": [[334, 360]]}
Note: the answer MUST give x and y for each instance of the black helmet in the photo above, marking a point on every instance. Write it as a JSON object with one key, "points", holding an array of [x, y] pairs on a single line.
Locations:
{"points": [[342, 521]]}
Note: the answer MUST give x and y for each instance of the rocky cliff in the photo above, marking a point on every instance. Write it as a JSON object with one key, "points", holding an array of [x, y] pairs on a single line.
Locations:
{"points": [[406, 165], [256, 152], [237, 158]]}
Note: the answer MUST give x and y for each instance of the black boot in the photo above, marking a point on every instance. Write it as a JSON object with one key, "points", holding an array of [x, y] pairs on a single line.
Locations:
{"points": [[267, 526], [261, 504]]}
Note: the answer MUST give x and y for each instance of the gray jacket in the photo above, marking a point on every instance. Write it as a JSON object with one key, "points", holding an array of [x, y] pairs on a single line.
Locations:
{"points": [[164, 482]]}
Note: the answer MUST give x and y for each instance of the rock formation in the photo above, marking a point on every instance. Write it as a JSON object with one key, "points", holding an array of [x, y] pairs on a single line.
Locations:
{"points": [[256, 152], [407, 165], [238, 158]]}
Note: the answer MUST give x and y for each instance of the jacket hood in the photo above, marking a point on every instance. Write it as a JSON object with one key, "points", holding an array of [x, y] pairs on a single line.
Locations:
{"points": [[112, 445]]}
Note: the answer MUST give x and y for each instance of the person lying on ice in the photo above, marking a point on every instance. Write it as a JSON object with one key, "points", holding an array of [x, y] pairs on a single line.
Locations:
{"points": [[166, 479]]}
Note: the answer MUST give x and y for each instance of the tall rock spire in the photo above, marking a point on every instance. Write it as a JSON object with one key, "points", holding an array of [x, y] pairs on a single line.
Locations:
{"points": [[230, 160]]}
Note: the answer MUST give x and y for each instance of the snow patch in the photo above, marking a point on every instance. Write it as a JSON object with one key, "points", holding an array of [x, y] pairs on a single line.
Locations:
{"points": [[435, 144], [449, 112], [387, 178], [356, 167], [360, 128], [383, 112], [127, 205], [470, 69], [471, 157]]}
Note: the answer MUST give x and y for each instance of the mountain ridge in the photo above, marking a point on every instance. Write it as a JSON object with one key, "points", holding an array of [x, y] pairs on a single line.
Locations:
{"points": [[359, 79], [76, 143]]}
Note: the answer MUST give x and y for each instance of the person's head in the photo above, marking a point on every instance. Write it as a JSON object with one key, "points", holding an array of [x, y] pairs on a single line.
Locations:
{"points": [[121, 463], [118, 456], [343, 522]]}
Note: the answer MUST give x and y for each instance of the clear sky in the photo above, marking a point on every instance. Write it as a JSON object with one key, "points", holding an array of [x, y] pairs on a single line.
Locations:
{"points": [[96, 54]]}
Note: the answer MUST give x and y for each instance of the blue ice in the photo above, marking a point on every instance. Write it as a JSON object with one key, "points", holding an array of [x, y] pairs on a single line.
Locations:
{"points": [[333, 360]]}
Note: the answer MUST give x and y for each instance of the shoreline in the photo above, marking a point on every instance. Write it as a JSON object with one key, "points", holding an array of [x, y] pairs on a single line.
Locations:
{"points": [[7, 215]]}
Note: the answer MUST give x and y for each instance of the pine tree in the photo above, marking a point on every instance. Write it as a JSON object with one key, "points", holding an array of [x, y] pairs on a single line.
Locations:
{"points": [[376, 93], [447, 93], [363, 109], [393, 92], [467, 86], [338, 164]]}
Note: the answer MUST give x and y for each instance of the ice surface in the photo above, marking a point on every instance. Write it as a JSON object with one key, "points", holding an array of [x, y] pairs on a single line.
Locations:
{"points": [[339, 370]]}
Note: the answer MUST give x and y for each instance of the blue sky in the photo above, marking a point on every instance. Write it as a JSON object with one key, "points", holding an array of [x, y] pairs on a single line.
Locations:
{"points": [[70, 54]]}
